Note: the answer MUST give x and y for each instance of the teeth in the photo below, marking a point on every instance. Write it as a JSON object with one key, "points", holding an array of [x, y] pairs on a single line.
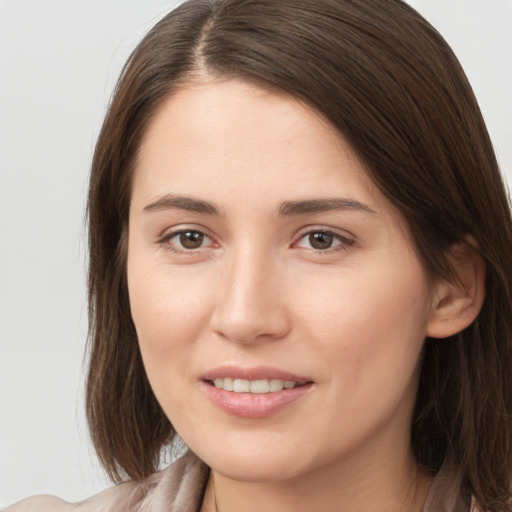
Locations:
{"points": [[228, 384], [276, 385], [253, 386], [241, 386], [260, 386]]}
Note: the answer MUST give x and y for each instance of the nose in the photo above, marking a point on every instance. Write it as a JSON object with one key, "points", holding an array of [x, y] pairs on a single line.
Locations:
{"points": [[250, 304]]}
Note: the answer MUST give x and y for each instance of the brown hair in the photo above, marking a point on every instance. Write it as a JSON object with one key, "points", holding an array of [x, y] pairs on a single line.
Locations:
{"points": [[391, 85]]}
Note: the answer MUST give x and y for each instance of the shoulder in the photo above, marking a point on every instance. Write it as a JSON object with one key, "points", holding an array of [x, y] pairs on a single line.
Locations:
{"points": [[104, 501], [179, 488], [40, 503]]}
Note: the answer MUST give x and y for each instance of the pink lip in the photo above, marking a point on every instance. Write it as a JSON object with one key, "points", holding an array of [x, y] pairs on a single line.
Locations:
{"points": [[254, 373], [252, 405]]}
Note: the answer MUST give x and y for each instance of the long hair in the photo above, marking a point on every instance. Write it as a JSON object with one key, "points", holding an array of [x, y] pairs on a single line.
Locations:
{"points": [[394, 89]]}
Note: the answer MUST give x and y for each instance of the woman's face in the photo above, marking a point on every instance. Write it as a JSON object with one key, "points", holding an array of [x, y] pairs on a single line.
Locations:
{"points": [[279, 305]]}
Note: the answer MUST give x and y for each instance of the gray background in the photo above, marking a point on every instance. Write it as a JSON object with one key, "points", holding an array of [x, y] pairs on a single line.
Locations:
{"points": [[58, 63]]}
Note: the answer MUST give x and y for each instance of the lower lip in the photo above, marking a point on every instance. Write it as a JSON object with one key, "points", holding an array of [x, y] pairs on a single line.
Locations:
{"points": [[254, 405]]}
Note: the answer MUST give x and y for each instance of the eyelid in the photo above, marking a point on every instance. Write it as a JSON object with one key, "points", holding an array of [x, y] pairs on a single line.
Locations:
{"points": [[347, 239], [164, 238]]}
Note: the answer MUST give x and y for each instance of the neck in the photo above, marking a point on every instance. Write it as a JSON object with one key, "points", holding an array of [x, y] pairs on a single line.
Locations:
{"points": [[395, 488]]}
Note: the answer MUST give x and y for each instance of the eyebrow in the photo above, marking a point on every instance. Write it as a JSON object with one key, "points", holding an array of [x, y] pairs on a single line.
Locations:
{"points": [[184, 203], [287, 209], [290, 208]]}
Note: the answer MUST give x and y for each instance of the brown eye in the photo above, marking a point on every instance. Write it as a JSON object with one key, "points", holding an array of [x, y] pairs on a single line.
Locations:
{"points": [[191, 239], [320, 240], [326, 241]]}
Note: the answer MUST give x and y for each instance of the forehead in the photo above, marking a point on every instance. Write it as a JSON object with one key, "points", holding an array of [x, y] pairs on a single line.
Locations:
{"points": [[230, 138], [205, 112]]}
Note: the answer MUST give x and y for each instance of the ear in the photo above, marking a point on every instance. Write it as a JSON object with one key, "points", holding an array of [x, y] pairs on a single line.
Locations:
{"points": [[456, 304]]}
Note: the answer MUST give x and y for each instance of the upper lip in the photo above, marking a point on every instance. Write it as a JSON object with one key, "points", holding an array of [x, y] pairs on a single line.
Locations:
{"points": [[253, 373]]}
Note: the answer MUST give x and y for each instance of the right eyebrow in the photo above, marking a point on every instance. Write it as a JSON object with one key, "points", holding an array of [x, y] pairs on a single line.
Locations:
{"points": [[170, 201]]}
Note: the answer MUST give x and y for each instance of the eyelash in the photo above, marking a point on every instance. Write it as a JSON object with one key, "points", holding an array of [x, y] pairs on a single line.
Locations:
{"points": [[343, 245], [344, 242], [166, 240]]}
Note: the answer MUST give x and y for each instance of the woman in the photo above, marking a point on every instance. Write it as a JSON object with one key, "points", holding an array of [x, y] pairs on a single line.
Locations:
{"points": [[299, 262]]}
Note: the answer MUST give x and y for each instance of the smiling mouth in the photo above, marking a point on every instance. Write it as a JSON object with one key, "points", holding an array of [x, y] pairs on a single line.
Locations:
{"points": [[254, 397], [260, 386]]}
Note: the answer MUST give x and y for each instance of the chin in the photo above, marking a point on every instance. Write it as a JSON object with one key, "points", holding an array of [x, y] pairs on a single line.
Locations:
{"points": [[256, 461], [265, 469]]}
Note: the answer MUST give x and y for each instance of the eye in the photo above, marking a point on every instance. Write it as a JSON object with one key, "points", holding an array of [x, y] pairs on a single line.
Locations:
{"points": [[323, 240], [186, 240], [190, 239]]}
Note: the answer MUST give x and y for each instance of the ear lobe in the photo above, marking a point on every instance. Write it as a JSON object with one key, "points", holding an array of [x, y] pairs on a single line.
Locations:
{"points": [[456, 304]]}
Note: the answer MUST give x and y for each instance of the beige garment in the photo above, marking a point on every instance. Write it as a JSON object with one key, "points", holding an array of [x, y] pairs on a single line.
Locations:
{"points": [[180, 488]]}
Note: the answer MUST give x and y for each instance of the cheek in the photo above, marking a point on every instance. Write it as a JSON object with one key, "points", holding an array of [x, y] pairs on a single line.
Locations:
{"points": [[368, 334], [167, 317], [168, 307], [371, 324]]}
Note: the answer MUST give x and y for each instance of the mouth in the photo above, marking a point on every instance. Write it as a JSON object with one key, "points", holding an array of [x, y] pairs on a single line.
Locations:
{"points": [[259, 386], [254, 393]]}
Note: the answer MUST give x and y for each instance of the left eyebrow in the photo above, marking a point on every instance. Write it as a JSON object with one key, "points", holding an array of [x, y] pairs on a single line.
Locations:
{"points": [[290, 208]]}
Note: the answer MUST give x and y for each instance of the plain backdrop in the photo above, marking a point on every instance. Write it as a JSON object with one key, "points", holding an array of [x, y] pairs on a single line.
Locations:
{"points": [[58, 63]]}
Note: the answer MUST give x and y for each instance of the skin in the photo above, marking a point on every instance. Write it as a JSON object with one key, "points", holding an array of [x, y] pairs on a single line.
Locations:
{"points": [[351, 317]]}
